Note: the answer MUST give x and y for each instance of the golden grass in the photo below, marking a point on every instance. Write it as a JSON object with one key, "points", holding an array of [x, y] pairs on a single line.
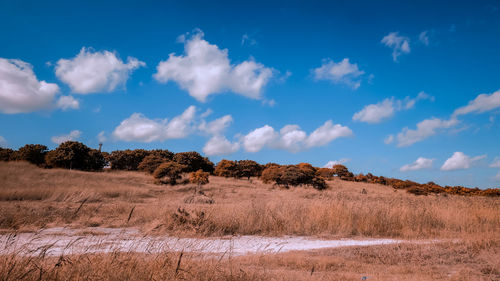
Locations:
{"points": [[31, 198]]}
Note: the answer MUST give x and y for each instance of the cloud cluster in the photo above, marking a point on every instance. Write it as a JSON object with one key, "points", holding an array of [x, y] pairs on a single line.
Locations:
{"points": [[93, 72], [138, 128], [342, 72], [429, 127], [292, 138], [67, 102], [72, 136], [460, 161], [376, 113], [205, 69], [20, 90], [220, 145], [419, 164], [425, 129]]}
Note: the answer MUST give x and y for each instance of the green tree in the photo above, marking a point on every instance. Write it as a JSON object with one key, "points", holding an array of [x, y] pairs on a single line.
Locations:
{"points": [[193, 161], [75, 155]]}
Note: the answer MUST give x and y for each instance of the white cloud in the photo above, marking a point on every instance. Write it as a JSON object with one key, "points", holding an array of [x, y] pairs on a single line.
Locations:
{"points": [[141, 129], [219, 145], [67, 102], [399, 44], [460, 161], [292, 138], [497, 177], [495, 163], [425, 129], [217, 126], [3, 142], [419, 164], [409, 103], [101, 137], [424, 37], [327, 133], [389, 139], [482, 103], [258, 138], [205, 69], [72, 136], [376, 113], [342, 72], [92, 72], [20, 90], [330, 164]]}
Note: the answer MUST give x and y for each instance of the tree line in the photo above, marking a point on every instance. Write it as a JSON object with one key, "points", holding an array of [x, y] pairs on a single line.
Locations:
{"points": [[167, 167]]}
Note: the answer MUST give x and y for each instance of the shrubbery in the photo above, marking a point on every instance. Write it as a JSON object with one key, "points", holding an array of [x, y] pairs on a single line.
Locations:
{"points": [[169, 172], [33, 153], [293, 175], [193, 162], [238, 169], [75, 155]]}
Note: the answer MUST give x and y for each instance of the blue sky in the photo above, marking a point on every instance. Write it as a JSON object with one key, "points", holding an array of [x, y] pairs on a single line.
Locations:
{"points": [[406, 90]]}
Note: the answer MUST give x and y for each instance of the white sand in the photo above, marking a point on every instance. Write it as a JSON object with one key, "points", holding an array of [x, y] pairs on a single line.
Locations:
{"points": [[59, 241]]}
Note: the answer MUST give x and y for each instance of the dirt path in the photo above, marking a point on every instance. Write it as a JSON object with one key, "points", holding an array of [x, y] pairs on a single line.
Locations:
{"points": [[59, 241]]}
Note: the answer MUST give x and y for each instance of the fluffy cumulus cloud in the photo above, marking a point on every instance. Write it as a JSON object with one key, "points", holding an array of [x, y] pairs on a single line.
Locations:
{"points": [[389, 139], [72, 136], [205, 69], [93, 72], [220, 145], [336, 162], [216, 126], [376, 113], [67, 102], [292, 138], [425, 129], [21, 91], [342, 72], [419, 164], [497, 177], [399, 44], [482, 103], [258, 138], [101, 137], [460, 161], [139, 128]]}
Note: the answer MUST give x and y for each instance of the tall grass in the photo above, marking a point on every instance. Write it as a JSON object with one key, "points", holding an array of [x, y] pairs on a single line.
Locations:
{"points": [[31, 198]]}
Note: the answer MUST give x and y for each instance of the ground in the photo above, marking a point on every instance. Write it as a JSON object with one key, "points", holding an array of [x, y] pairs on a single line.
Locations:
{"points": [[465, 230]]}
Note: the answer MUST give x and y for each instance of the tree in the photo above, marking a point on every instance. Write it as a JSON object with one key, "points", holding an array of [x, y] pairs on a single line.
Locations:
{"points": [[33, 153], [247, 169], [151, 162], [225, 168], [271, 174], [75, 155], [342, 172], [199, 177], [6, 154], [127, 159], [193, 161], [169, 172]]}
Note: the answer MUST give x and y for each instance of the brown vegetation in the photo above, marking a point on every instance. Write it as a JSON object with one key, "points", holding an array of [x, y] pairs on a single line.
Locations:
{"points": [[32, 197]]}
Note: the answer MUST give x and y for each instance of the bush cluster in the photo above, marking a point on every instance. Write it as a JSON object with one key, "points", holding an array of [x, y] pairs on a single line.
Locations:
{"points": [[238, 169], [293, 175]]}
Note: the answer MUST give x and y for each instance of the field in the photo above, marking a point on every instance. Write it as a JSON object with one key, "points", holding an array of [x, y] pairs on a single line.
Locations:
{"points": [[465, 229]]}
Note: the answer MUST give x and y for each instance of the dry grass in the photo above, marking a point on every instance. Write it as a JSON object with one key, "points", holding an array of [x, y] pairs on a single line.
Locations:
{"points": [[471, 260], [31, 198]]}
